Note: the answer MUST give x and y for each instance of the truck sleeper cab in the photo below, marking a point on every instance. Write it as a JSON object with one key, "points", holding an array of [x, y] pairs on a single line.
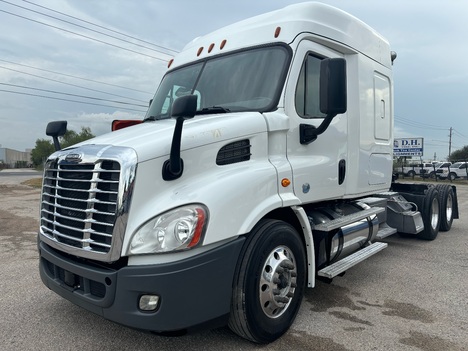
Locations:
{"points": [[259, 168]]}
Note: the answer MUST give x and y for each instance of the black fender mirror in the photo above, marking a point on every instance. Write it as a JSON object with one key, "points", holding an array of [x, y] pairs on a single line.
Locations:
{"points": [[56, 129], [183, 108]]}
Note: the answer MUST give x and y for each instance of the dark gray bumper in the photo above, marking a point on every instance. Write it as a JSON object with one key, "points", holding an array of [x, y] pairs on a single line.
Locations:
{"points": [[193, 291]]}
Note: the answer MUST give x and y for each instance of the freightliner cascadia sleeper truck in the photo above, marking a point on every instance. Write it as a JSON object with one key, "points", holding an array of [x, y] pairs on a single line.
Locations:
{"points": [[264, 163]]}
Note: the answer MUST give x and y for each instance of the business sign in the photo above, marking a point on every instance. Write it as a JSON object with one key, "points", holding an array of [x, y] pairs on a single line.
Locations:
{"points": [[408, 147]]}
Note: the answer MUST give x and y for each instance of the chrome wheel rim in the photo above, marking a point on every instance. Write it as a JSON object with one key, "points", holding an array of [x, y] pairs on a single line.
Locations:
{"points": [[435, 213], [449, 208], [278, 282]]}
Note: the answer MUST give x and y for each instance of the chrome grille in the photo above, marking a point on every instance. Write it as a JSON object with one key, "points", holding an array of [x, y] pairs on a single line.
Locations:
{"points": [[81, 203]]}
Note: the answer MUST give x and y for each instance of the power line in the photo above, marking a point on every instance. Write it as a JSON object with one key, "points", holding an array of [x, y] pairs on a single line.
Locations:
{"points": [[87, 28], [68, 94], [73, 85], [76, 77], [99, 26], [69, 100], [460, 134], [84, 36], [418, 124]]}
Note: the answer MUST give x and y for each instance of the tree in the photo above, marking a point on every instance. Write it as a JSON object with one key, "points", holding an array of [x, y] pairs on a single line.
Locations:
{"points": [[44, 147], [459, 155], [71, 137], [40, 152]]}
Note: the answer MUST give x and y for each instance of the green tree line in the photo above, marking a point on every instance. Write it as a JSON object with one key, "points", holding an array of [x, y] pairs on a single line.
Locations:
{"points": [[459, 155], [45, 147]]}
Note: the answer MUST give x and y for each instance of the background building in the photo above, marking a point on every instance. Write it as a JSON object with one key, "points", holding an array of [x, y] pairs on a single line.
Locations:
{"points": [[10, 158]]}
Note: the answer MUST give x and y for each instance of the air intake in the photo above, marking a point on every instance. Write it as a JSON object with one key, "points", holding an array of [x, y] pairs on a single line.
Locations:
{"points": [[238, 151]]}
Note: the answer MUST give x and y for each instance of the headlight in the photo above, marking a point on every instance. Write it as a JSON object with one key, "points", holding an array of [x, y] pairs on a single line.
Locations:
{"points": [[178, 229]]}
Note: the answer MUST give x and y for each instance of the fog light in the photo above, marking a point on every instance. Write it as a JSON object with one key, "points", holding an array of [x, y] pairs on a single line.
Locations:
{"points": [[148, 302]]}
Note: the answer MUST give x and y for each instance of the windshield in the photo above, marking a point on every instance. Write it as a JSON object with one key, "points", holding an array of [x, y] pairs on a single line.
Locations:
{"points": [[250, 80]]}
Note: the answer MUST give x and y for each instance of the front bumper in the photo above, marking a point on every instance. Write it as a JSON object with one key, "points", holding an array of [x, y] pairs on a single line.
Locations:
{"points": [[193, 291]]}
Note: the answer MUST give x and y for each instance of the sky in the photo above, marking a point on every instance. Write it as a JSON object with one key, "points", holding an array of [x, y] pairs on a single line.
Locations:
{"points": [[92, 61]]}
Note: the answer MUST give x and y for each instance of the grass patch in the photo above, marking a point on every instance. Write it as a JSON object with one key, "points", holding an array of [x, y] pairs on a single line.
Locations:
{"points": [[34, 182]]}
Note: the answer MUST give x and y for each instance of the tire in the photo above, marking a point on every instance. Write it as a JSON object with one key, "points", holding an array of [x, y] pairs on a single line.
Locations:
{"points": [[446, 200], [430, 212], [452, 176], [411, 174], [432, 175], [269, 282]]}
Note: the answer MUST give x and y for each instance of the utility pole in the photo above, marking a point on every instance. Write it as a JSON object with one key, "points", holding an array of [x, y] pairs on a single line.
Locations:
{"points": [[450, 142]]}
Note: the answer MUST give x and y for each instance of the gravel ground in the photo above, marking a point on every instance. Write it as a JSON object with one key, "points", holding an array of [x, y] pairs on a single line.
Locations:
{"points": [[411, 296]]}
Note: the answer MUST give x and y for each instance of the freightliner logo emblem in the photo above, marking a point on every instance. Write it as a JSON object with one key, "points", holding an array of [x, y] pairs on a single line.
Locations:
{"points": [[73, 157]]}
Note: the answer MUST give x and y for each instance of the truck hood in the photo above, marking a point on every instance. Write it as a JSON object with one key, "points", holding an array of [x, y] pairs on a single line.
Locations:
{"points": [[153, 139]]}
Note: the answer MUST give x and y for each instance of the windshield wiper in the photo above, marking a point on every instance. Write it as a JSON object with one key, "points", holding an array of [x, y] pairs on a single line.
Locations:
{"points": [[154, 118], [212, 110]]}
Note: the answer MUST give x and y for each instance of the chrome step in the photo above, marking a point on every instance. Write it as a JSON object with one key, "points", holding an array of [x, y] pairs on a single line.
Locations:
{"points": [[384, 231], [351, 260], [348, 219]]}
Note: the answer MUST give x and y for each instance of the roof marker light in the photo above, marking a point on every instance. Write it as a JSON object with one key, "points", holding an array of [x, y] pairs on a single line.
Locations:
{"points": [[223, 43], [211, 47], [169, 64], [200, 49], [277, 32]]}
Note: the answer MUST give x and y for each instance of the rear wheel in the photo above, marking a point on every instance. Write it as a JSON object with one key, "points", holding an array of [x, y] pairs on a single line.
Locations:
{"points": [[446, 200], [269, 282], [430, 212], [411, 174]]}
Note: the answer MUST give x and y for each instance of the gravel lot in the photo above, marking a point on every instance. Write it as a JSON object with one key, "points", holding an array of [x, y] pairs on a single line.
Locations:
{"points": [[411, 296]]}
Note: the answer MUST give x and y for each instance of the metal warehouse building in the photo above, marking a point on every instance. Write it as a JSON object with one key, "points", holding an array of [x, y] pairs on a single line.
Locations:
{"points": [[10, 158]]}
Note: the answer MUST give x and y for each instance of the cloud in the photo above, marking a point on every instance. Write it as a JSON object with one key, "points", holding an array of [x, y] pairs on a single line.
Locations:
{"points": [[430, 73], [100, 123]]}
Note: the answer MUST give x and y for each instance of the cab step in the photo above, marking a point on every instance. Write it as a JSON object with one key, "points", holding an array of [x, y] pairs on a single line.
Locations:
{"points": [[384, 231], [351, 260], [348, 219]]}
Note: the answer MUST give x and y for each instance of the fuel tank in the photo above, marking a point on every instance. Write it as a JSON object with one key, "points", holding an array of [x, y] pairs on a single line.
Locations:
{"points": [[336, 244]]}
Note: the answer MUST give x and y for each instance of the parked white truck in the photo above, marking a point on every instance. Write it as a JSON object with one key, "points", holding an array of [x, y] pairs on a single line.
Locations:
{"points": [[454, 171], [264, 163], [417, 169]]}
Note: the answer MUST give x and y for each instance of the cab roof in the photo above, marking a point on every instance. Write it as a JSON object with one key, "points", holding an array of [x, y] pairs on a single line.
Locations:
{"points": [[328, 24]]}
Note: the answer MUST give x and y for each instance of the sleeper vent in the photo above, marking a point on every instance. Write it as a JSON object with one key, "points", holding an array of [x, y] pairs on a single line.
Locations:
{"points": [[238, 151]]}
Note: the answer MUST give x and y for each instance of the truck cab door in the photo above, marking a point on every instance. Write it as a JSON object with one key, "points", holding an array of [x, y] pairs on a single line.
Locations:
{"points": [[318, 167]]}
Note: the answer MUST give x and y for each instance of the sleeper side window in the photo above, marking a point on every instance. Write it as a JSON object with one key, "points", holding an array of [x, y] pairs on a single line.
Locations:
{"points": [[307, 98]]}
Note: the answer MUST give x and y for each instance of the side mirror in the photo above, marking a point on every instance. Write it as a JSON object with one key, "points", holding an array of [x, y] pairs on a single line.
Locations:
{"points": [[333, 97], [56, 129], [183, 108]]}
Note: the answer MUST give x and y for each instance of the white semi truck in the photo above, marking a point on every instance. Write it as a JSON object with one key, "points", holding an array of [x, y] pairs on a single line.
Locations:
{"points": [[264, 163]]}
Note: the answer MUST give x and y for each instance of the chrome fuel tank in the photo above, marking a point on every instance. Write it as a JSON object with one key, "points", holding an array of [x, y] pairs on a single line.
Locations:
{"points": [[351, 236]]}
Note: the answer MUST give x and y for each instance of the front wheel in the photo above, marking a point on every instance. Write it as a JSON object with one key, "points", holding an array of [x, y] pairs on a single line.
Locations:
{"points": [[269, 282]]}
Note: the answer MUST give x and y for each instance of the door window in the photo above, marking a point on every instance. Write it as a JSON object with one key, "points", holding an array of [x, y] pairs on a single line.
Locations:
{"points": [[307, 98]]}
